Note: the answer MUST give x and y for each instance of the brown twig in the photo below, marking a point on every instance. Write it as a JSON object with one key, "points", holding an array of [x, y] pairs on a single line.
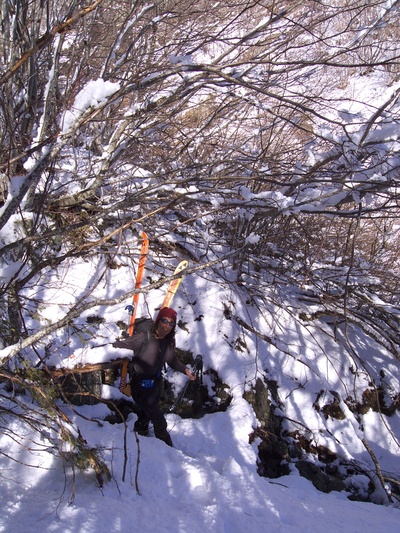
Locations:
{"points": [[46, 39]]}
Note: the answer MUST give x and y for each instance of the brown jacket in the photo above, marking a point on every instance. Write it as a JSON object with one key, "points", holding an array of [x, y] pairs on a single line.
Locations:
{"points": [[155, 355]]}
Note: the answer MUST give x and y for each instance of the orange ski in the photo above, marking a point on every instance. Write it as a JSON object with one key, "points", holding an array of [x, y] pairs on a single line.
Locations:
{"points": [[123, 387]]}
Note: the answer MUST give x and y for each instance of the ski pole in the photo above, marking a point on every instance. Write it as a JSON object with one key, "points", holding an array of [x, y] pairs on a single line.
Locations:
{"points": [[198, 370]]}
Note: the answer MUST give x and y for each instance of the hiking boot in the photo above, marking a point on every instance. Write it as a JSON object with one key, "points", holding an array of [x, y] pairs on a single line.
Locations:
{"points": [[141, 429], [165, 437], [142, 432]]}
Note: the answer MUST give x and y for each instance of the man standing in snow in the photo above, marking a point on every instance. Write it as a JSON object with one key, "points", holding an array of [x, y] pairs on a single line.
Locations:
{"points": [[149, 357]]}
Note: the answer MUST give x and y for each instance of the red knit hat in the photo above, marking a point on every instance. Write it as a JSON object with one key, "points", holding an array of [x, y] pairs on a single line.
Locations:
{"points": [[167, 312]]}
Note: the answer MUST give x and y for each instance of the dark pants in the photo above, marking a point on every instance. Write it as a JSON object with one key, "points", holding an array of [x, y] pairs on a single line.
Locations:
{"points": [[147, 400]]}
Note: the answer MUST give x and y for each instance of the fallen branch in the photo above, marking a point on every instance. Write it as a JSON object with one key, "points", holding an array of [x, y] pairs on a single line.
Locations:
{"points": [[90, 367]]}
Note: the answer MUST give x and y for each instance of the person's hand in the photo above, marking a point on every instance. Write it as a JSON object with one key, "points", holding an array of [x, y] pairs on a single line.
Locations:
{"points": [[190, 374]]}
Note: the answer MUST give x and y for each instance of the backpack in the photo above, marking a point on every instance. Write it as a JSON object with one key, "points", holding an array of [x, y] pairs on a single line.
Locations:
{"points": [[142, 325]]}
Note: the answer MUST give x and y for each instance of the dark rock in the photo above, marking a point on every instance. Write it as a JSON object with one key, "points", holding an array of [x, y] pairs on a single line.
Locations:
{"points": [[273, 451], [318, 478]]}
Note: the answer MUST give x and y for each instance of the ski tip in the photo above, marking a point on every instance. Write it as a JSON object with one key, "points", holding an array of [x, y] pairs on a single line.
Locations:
{"points": [[145, 241], [182, 265]]}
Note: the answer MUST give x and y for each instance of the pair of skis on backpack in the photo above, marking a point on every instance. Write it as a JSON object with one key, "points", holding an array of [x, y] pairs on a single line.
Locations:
{"points": [[132, 308]]}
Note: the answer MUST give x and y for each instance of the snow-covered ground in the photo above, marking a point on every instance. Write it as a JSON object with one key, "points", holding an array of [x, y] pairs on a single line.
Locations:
{"points": [[209, 480]]}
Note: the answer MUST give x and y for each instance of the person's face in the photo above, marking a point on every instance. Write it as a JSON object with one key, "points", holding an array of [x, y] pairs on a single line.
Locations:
{"points": [[164, 326]]}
